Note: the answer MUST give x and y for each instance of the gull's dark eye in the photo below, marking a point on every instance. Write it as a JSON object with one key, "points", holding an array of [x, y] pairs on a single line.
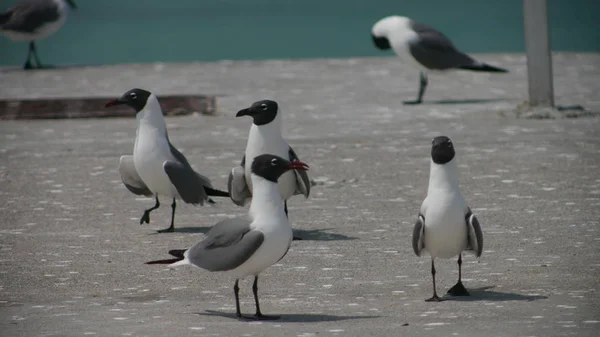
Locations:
{"points": [[133, 95], [273, 161], [264, 107]]}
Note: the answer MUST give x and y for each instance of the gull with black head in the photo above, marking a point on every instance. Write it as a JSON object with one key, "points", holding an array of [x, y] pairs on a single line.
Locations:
{"points": [[157, 168], [424, 48], [245, 246], [265, 137], [32, 20], [446, 226]]}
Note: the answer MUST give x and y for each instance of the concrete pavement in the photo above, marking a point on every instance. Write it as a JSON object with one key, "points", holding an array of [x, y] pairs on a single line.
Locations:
{"points": [[73, 251]]}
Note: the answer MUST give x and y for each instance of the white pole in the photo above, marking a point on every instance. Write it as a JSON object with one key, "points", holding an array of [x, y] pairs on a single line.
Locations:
{"points": [[539, 59]]}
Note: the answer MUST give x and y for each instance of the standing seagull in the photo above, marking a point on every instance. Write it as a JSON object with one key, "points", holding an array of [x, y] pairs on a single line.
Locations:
{"points": [[265, 137], [423, 47], [32, 20], [446, 226], [245, 246], [157, 167]]}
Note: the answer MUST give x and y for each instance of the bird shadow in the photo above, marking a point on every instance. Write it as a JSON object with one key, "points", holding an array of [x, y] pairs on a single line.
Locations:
{"points": [[11, 69], [202, 230], [291, 318], [465, 101], [485, 294], [320, 235], [303, 234]]}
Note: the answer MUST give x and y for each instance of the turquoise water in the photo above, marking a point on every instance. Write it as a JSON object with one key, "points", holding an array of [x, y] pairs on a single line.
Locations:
{"points": [[119, 31]]}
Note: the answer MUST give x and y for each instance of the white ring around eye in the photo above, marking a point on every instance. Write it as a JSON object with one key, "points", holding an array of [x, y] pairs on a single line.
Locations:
{"points": [[274, 161], [263, 106], [133, 95]]}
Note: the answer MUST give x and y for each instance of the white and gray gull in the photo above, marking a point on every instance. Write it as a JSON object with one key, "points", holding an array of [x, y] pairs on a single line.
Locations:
{"points": [[245, 246], [157, 168], [424, 48], [446, 226], [32, 20], [265, 137]]}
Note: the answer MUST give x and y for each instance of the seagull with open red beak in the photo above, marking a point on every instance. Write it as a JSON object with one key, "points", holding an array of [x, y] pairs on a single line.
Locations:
{"points": [[245, 246]]}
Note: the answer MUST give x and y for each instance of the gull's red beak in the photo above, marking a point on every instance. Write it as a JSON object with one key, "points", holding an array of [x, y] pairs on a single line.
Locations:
{"points": [[298, 165], [113, 103]]}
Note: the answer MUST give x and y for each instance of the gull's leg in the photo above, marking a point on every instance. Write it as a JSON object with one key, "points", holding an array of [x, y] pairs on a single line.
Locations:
{"points": [[146, 216], [459, 289], [422, 86], [435, 297], [171, 228]]}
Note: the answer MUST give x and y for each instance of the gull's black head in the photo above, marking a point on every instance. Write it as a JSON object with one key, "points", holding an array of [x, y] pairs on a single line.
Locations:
{"points": [[381, 42], [135, 98], [442, 150], [262, 112], [271, 167], [71, 4]]}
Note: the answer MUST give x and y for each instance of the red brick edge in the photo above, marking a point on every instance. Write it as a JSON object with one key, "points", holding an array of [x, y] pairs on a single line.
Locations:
{"points": [[94, 107]]}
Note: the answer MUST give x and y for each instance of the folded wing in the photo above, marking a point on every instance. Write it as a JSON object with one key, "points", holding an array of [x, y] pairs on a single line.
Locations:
{"points": [[475, 242], [237, 186], [418, 237], [302, 180], [228, 245], [130, 177]]}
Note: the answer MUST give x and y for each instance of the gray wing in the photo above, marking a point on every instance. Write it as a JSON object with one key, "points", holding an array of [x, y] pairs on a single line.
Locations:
{"points": [[130, 177], [237, 186], [435, 51], [178, 155], [228, 245], [302, 181], [418, 237], [475, 236], [182, 159], [188, 183], [29, 15]]}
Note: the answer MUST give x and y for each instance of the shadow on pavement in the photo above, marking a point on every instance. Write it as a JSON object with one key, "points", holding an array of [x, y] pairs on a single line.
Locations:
{"points": [[467, 101], [320, 235], [304, 235], [185, 230], [291, 318], [484, 294]]}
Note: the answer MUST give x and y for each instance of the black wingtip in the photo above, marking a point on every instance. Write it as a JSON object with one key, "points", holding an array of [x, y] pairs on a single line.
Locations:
{"points": [[167, 261], [4, 17], [484, 67], [177, 253], [216, 193]]}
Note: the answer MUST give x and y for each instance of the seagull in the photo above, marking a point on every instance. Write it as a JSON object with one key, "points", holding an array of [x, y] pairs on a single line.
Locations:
{"points": [[245, 246], [265, 137], [446, 226], [424, 48], [157, 167], [32, 20]]}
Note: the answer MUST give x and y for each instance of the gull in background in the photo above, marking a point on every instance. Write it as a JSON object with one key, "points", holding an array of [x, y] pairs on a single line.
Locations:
{"points": [[424, 48], [265, 137], [32, 20]]}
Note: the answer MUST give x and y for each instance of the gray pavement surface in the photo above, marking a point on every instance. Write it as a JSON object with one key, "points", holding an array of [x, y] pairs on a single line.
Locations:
{"points": [[72, 251]]}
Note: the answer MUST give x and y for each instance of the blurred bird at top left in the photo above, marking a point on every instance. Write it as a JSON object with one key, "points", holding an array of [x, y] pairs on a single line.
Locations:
{"points": [[32, 20]]}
